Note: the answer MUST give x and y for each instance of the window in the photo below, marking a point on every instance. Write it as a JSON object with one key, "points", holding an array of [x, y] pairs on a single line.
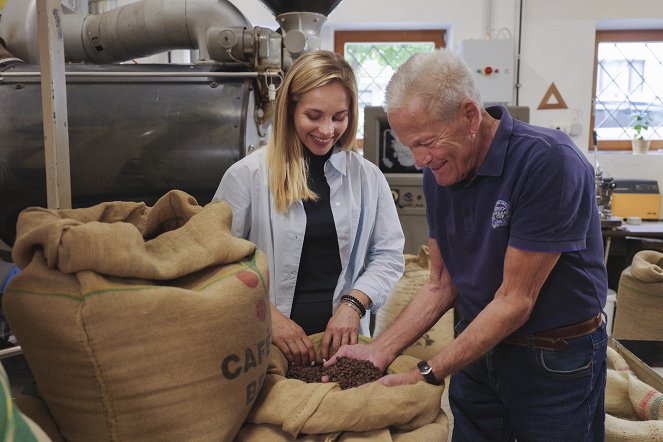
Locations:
{"points": [[375, 55], [628, 81]]}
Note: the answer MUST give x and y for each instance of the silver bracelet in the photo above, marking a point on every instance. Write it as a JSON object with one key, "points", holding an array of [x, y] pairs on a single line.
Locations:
{"points": [[353, 307], [357, 303]]}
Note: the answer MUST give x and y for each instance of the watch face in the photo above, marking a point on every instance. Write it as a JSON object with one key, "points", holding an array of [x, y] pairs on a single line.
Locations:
{"points": [[424, 368], [427, 372]]}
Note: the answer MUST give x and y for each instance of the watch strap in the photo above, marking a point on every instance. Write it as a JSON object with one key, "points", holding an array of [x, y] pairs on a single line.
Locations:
{"points": [[427, 372]]}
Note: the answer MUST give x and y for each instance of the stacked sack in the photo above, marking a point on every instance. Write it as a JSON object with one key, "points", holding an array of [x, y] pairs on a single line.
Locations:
{"points": [[141, 323], [416, 274], [634, 410], [290, 409], [639, 313]]}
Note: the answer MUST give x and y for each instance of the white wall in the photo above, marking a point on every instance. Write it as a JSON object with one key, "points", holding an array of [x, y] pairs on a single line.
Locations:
{"points": [[558, 39], [557, 46]]}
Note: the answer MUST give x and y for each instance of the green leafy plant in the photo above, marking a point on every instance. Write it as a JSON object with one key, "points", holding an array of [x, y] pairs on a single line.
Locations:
{"points": [[639, 123]]}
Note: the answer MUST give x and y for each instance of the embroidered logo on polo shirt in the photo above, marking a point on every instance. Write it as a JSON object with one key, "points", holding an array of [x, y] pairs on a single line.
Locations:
{"points": [[501, 214]]}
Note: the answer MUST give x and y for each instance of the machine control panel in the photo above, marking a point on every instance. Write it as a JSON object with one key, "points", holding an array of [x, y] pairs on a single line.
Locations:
{"points": [[408, 196]]}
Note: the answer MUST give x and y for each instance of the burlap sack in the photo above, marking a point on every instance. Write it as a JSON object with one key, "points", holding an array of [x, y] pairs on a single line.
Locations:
{"points": [[639, 312], [415, 275], [633, 408], [288, 409], [435, 431], [622, 430], [141, 323]]}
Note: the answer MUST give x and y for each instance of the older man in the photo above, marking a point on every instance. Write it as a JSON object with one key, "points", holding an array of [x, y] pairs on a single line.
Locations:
{"points": [[516, 248]]}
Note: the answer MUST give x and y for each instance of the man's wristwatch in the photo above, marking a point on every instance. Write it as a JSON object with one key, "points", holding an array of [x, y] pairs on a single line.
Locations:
{"points": [[427, 373]]}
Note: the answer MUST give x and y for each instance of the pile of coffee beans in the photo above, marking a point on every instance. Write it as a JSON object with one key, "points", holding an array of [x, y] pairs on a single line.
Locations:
{"points": [[346, 372], [305, 373]]}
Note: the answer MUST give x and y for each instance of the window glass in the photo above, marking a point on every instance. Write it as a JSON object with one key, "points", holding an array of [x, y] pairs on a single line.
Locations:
{"points": [[629, 87], [374, 64], [375, 56]]}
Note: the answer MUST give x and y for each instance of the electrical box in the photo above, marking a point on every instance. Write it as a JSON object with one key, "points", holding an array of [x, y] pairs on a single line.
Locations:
{"points": [[492, 62]]}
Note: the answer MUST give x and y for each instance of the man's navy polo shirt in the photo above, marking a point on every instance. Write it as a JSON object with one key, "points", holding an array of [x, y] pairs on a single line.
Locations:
{"points": [[535, 192]]}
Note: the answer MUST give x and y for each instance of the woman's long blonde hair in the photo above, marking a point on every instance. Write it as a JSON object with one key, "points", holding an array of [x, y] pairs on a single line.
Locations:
{"points": [[288, 173]]}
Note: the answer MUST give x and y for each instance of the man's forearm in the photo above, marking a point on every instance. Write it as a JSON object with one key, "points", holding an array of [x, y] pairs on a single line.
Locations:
{"points": [[499, 319], [425, 309]]}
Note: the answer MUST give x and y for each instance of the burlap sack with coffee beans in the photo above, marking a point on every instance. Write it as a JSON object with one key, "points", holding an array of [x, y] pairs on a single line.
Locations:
{"points": [[416, 274], [639, 312], [289, 409], [141, 323]]}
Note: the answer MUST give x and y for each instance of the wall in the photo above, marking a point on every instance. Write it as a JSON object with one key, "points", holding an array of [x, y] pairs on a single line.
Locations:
{"points": [[557, 46], [566, 29]]}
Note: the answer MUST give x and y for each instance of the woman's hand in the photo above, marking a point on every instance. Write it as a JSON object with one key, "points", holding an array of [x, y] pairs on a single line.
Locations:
{"points": [[342, 328], [291, 339]]}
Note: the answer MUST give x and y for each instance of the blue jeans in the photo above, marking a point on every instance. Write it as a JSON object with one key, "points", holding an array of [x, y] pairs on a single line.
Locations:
{"points": [[513, 392]]}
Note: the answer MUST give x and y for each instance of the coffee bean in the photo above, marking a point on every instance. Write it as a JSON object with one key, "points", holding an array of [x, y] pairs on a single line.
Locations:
{"points": [[346, 372]]}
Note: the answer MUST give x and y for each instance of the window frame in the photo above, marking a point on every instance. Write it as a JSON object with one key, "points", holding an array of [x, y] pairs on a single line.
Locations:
{"points": [[437, 36], [619, 36], [341, 37]]}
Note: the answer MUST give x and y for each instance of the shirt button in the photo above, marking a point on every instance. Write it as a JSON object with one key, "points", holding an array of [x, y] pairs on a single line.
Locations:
{"points": [[337, 204]]}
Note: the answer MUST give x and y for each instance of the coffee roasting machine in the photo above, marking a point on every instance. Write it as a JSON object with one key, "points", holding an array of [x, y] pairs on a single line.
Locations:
{"points": [[137, 131]]}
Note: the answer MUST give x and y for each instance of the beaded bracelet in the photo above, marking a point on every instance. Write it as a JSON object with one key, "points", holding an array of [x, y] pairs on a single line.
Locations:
{"points": [[356, 303]]}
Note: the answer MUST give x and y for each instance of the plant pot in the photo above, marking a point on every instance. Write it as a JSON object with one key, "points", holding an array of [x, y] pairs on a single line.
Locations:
{"points": [[640, 146]]}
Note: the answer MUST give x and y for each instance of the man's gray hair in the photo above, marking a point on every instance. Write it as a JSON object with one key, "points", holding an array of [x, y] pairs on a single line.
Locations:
{"points": [[440, 78]]}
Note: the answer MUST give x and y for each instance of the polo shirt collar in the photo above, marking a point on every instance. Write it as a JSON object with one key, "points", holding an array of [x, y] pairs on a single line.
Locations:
{"points": [[493, 165]]}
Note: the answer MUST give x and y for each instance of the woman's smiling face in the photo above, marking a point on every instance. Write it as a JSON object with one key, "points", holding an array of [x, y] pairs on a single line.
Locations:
{"points": [[321, 117]]}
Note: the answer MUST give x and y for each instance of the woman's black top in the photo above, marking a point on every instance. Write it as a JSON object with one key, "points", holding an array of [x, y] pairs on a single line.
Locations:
{"points": [[320, 263]]}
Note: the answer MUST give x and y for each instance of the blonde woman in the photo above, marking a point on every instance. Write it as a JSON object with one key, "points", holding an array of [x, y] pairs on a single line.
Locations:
{"points": [[323, 214]]}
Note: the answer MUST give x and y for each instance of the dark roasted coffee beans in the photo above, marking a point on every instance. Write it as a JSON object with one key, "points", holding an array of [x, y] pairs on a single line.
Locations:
{"points": [[346, 372]]}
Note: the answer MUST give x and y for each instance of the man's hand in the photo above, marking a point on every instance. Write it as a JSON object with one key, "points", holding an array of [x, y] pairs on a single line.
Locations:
{"points": [[392, 380], [368, 352], [291, 339], [362, 352]]}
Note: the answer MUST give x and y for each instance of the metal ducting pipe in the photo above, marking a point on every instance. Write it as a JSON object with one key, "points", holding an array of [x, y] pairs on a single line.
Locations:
{"points": [[101, 6], [301, 22], [136, 30], [135, 130]]}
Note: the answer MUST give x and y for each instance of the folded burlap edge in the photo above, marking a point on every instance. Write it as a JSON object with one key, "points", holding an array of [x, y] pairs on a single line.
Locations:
{"points": [[647, 266], [172, 238]]}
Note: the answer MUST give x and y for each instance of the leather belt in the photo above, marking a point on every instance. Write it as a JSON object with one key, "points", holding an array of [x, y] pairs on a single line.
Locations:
{"points": [[555, 339]]}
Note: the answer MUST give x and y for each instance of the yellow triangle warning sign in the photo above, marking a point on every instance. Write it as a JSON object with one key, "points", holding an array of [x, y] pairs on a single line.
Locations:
{"points": [[545, 102]]}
